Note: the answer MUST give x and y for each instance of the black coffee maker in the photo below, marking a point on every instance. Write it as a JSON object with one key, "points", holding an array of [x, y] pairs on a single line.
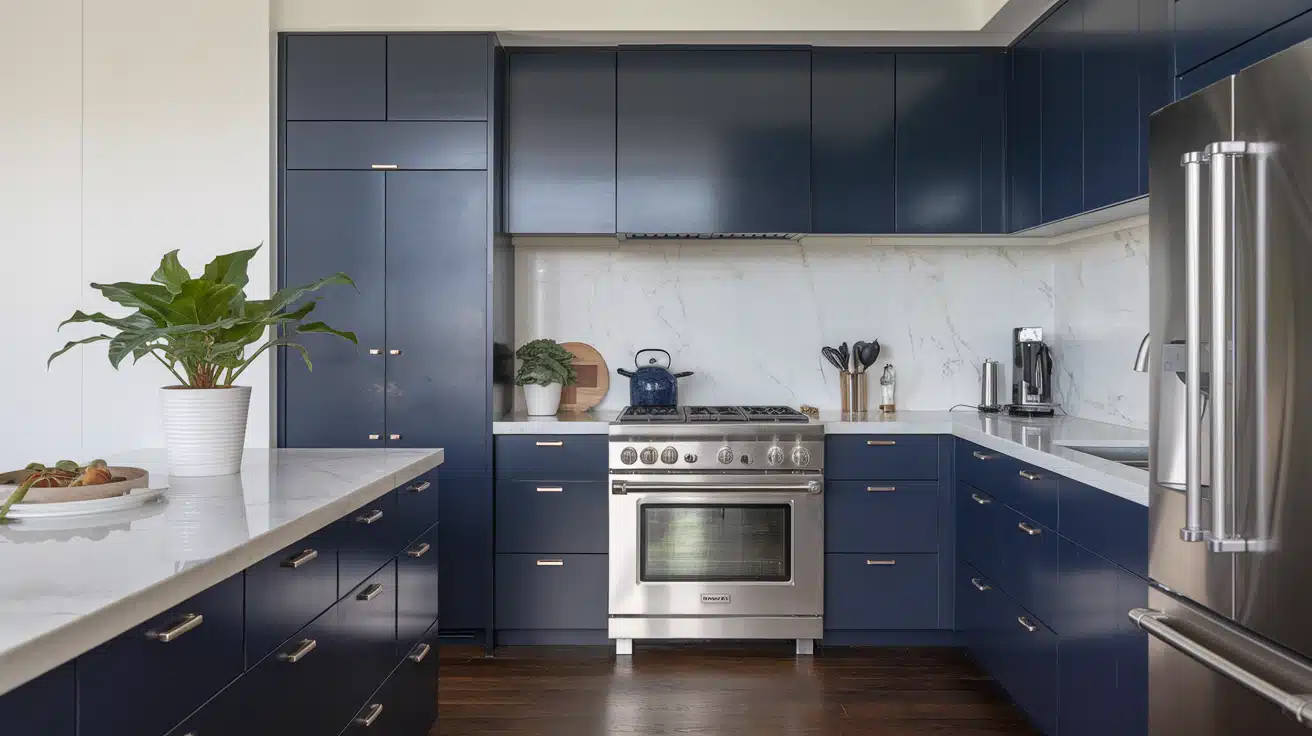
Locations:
{"points": [[1031, 374]]}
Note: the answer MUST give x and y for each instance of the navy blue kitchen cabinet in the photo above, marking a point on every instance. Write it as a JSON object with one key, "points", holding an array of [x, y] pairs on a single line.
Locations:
{"points": [[367, 622], [539, 592], [414, 688], [853, 151], [1024, 135], [418, 590], [465, 555], [335, 77], [366, 540], [950, 141], [1156, 73], [1112, 65], [564, 516], [1205, 29], [713, 141], [552, 457], [560, 142], [899, 516], [386, 145], [46, 706], [885, 457], [287, 590], [438, 76], [1060, 39], [881, 591], [1283, 36]]}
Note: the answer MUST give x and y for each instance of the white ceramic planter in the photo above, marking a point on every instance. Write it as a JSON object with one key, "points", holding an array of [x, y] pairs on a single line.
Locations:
{"points": [[205, 429], [542, 401]]}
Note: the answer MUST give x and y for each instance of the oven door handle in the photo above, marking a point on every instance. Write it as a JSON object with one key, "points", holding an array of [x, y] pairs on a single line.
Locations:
{"points": [[622, 487]]}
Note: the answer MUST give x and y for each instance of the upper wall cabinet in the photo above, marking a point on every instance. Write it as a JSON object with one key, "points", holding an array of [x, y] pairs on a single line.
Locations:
{"points": [[336, 77], [714, 141], [1156, 72], [1025, 135], [853, 149], [1208, 28], [1111, 101], [1062, 105], [560, 142], [950, 141], [1277, 39]]}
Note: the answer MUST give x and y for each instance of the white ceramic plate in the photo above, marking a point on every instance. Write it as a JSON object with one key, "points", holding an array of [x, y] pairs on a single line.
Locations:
{"points": [[131, 499]]}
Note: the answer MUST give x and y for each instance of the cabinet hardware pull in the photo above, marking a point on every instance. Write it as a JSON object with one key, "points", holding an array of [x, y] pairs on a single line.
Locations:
{"points": [[189, 621], [420, 653], [981, 500], [394, 351], [370, 517], [296, 561], [980, 585], [881, 562], [981, 456], [1030, 530], [880, 489], [368, 719], [1027, 475], [550, 489], [551, 563], [419, 551], [384, 166], [419, 487], [303, 648], [374, 436], [1030, 627], [370, 592], [881, 443], [375, 351], [553, 443], [394, 436]]}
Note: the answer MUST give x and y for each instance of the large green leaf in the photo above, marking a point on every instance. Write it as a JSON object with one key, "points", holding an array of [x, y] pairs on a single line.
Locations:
{"points": [[72, 344], [292, 294], [202, 302], [127, 342], [170, 273], [135, 321], [321, 327], [230, 268], [152, 299]]}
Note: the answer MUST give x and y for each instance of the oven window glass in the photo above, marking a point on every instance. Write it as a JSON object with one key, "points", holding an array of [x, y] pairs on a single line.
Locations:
{"points": [[720, 543]]}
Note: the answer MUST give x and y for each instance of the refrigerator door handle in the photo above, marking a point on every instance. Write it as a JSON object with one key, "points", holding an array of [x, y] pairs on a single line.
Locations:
{"points": [[1156, 623], [1193, 531]]}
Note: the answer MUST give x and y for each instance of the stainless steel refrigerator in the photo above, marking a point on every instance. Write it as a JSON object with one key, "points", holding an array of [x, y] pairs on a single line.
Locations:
{"points": [[1230, 509]]}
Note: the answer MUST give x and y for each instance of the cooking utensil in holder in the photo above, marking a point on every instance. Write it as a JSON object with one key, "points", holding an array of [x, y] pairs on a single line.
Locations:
{"points": [[852, 392]]}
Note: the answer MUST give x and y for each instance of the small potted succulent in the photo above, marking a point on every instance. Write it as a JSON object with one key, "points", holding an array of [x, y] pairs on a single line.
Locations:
{"points": [[545, 369], [206, 333]]}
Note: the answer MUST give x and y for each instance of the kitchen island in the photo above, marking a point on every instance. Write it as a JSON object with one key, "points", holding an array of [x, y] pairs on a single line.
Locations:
{"points": [[217, 591]]}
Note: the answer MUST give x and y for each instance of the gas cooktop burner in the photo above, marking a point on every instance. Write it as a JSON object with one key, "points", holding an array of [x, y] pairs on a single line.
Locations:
{"points": [[715, 414], [701, 414], [651, 414]]}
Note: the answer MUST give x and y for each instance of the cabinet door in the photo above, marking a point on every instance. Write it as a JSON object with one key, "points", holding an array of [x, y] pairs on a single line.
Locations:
{"points": [[387, 145], [560, 142], [1208, 28], [552, 516], [1063, 112], [551, 591], [853, 154], [714, 141], [287, 590], [881, 591], [336, 77], [1111, 101], [418, 590], [366, 539], [1156, 72], [333, 221], [465, 552], [366, 622], [292, 690], [1024, 135], [414, 688], [417, 505], [1273, 41], [881, 516], [437, 301], [43, 707], [437, 76]]}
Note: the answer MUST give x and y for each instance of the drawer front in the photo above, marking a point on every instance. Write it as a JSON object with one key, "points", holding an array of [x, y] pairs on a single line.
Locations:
{"points": [[1029, 489], [286, 591], [569, 517], [1030, 573], [558, 591], [1107, 524], [881, 516], [387, 146], [42, 707], [367, 539], [978, 600], [874, 591], [291, 691], [416, 590], [552, 457], [367, 622], [414, 688], [177, 661], [979, 519], [890, 457], [982, 467], [416, 505], [1026, 663]]}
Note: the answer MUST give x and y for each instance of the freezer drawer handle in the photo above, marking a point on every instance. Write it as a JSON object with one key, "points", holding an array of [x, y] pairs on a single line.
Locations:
{"points": [[1155, 623]]}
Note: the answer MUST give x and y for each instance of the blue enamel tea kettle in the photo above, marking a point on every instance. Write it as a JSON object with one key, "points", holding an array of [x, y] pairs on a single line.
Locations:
{"points": [[652, 384]]}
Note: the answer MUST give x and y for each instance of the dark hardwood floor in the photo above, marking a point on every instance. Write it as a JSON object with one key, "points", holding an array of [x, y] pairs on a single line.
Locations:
{"points": [[757, 690]]}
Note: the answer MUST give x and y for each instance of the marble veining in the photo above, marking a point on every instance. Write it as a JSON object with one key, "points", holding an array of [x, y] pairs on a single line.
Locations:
{"points": [[71, 584]]}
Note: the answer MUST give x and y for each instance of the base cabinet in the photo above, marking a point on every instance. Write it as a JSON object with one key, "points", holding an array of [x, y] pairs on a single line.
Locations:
{"points": [[45, 706]]}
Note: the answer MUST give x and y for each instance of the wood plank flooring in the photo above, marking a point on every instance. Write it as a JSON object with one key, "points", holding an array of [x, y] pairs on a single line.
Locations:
{"points": [[757, 690]]}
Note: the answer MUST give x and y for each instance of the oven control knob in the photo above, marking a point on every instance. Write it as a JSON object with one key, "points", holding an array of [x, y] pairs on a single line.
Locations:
{"points": [[648, 456], [628, 456], [725, 456], [669, 456], [813, 486], [801, 456], [690, 458], [774, 456]]}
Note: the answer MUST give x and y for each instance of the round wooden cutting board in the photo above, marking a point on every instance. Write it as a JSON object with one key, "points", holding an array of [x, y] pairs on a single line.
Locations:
{"points": [[594, 378]]}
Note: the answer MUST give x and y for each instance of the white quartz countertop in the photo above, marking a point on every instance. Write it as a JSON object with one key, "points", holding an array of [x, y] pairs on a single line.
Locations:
{"points": [[70, 584], [596, 421]]}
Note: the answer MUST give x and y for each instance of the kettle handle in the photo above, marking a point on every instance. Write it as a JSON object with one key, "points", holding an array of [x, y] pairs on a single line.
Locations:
{"points": [[625, 372], [683, 374], [668, 360]]}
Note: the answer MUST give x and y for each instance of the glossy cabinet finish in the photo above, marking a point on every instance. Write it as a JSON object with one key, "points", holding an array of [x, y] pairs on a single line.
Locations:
{"points": [[1062, 103], [438, 76], [465, 552], [366, 539], [552, 457], [413, 688], [418, 590], [288, 590], [887, 516], [980, 519], [1030, 490], [881, 591], [558, 516], [417, 505], [293, 690], [1205, 29], [366, 621], [558, 591], [170, 678], [853, 141], [46, 706], [1025, 135], [886, 457], [1029, 573], [336, 77], [560, 142], [713, 140], [1112, 61], [386, 146]]}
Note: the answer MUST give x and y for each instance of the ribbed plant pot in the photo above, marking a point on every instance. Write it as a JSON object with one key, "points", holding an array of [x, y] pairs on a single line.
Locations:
{"points": [[205, 429], [542, 401]]}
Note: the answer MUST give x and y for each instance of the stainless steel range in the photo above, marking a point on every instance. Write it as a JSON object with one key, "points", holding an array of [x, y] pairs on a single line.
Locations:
{"points": [[716, 525]]}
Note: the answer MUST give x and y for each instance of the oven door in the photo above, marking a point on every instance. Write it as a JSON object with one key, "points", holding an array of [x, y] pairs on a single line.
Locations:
{"points": [[716, 545]]}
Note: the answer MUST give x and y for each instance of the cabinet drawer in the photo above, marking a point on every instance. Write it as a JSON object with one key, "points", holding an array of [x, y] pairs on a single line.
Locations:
{"points": [[890, 457], [1031, 490], [367, 539], [286, 591], [42, 707], [416, 506], [366, 619], [979, 518], [551, 591], [146, 680], [1029, 573], [881, 516], [417, 590], [978, 600], [1107, 524], [563, 457], [386, 146], [874, 591], [1026, 661], [568, 517], [413, 688]]}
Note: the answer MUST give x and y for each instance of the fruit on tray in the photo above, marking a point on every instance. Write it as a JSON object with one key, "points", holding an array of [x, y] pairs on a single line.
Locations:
{"points": [[63, 474]]}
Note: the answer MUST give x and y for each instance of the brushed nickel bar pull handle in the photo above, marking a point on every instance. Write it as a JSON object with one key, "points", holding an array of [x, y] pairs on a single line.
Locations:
{"points": [[370, 592], [880, 489], [419, 487], [189, 621], [420, 653], [385, 167], [304, 557], [419, 551], [981, 500], [368, 719], [1028, 529], [551, 563], [394, 436], [1029, 475], [303, 648], [1193, 370], [550, 489], [881, 562], [373, 436], [370, 517], [1029, 625], [881, 443], [394, 351], [375, 351], [980, 585], [981, 456], [552, 443]]}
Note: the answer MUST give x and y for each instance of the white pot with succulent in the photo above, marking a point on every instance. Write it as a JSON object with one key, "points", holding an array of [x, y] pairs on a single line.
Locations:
{"points": [[206, 332], [544, 370]]}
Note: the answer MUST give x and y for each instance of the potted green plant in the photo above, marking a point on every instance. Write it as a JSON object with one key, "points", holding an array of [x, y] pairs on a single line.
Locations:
{"points": [[206, 333], [545, 369]]}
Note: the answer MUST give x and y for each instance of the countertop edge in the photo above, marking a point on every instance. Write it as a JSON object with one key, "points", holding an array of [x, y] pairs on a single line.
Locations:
{"points": [[44, 652], [1082, 472], [548, 426]]}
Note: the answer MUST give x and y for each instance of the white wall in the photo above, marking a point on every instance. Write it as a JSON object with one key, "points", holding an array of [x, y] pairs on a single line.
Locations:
{"points": [[129, 129]]}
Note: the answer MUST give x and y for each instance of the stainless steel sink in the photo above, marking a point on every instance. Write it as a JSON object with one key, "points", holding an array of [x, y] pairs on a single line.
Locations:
{"points": [[1135, 457]]}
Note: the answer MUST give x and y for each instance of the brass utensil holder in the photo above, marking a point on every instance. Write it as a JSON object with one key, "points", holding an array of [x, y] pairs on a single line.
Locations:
{"points": [[853, 392]]}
